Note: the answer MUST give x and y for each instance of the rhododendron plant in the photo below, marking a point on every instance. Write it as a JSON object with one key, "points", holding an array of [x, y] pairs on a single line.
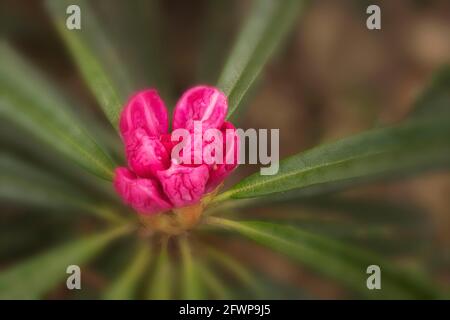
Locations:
{"points": [[156, 181]]}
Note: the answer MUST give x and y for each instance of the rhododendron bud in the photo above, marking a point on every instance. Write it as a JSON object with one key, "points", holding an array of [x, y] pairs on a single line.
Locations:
{"points": [[158, 179], [201, 103], [144, 195], [184, 185]]}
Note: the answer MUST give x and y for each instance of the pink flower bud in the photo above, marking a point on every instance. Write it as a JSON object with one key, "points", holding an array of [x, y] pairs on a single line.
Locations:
{"points": [[201, 103], [144, 195], [156, 182], [184, 185]]}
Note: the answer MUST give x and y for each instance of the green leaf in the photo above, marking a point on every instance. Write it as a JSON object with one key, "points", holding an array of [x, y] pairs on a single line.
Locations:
{"points": [[91, 50], [234, 267], [15, 141], [24, 184], [213, 282], [137, 31], [343, 263], [191, 286], [32, 102], [378, 153], [216, 36], [435, 99], [104, 133], [35, 277], [382, 226], [161, 281], [25, 231], [126, 284], [388, 240], [263, 31]]}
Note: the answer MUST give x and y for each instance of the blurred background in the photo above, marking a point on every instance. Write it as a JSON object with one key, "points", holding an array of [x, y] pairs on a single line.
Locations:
{"points": [[332, 78]]}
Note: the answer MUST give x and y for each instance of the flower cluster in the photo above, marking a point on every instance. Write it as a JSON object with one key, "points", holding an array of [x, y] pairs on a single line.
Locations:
{"points": [[157, 181]]}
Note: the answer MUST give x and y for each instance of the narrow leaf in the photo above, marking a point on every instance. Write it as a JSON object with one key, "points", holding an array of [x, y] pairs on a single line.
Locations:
{"points": [[435, 99], [161, 281], [266, 26], [385, 227], [216, 36], [35, 277], [343, 263], [124, 288], [24, 184], [90, 54], [17, 142], [213, 282], [190, 281], [32, 102], [137, 29], [234, 267], [384, 152]]}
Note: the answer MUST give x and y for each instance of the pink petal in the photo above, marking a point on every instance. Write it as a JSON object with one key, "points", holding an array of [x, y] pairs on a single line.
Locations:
{"points": [[144, 195], [184, 185], [145, 110], [201, 103], [166, 140], [145, 154], [219, 172]]}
